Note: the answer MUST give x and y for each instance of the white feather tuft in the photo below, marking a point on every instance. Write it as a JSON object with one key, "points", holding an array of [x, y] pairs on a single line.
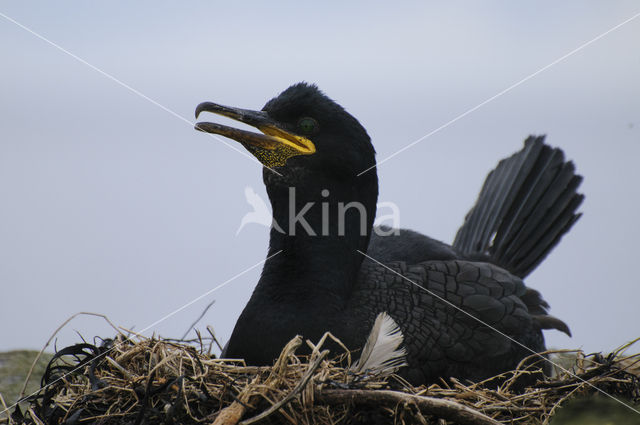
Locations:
{"points": [[382, 353]]}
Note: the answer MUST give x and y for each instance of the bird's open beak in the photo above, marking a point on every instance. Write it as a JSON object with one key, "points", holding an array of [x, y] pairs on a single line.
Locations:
{"points": [[272, 148]]}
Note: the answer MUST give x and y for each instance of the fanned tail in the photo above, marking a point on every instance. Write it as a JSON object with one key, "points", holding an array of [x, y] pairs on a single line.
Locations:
{"points": [[527, 203]]}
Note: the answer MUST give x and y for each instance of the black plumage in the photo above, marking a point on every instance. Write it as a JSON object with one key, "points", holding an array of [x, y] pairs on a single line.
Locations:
{"points": [[327, 274]]}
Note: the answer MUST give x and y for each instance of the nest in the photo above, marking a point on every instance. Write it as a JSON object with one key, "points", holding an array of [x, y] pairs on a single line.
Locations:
{"points": [[151, 380]]}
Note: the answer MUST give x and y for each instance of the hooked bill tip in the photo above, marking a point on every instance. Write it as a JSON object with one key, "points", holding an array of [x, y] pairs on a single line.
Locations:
{"points": [[201, 107]]}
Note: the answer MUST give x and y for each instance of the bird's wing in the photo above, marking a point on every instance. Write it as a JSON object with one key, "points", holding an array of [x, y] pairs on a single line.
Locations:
{"points": [[457, 316]]}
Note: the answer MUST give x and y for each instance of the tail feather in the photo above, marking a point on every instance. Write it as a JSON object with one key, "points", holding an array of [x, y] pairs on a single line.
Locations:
{"points": [[527, 203], [548, 214], [538, 308], [480, 224], [547, 321]]}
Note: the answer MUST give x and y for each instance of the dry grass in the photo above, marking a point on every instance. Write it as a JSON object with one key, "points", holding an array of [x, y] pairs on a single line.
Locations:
{"points": [[162, 381]]}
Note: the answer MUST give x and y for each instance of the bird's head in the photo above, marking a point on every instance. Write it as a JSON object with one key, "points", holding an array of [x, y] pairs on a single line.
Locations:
{"points": [[314, 153], [302, 133]]}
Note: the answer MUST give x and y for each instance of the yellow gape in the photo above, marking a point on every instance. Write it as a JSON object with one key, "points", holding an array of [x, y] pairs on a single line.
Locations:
{"points": [[272, 148]]}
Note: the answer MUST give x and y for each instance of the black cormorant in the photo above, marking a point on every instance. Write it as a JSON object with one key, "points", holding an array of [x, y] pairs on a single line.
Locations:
{"points": [[317, 277]]}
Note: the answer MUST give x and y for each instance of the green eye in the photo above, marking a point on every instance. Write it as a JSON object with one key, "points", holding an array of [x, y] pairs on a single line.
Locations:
{"points": [[308, 125]]}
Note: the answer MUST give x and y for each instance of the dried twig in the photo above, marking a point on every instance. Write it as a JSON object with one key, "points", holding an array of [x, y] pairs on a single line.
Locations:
{"points": [[195, 322], [440, 408], [5, 409], [303, 383]]}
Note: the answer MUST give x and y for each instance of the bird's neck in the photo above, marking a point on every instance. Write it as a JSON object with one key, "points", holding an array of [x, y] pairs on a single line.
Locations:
{"points": [[315, 239], [312, 267]]}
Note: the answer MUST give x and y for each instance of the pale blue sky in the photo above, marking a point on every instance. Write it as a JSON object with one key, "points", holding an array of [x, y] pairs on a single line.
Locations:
{"points": [[112, 205]]}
